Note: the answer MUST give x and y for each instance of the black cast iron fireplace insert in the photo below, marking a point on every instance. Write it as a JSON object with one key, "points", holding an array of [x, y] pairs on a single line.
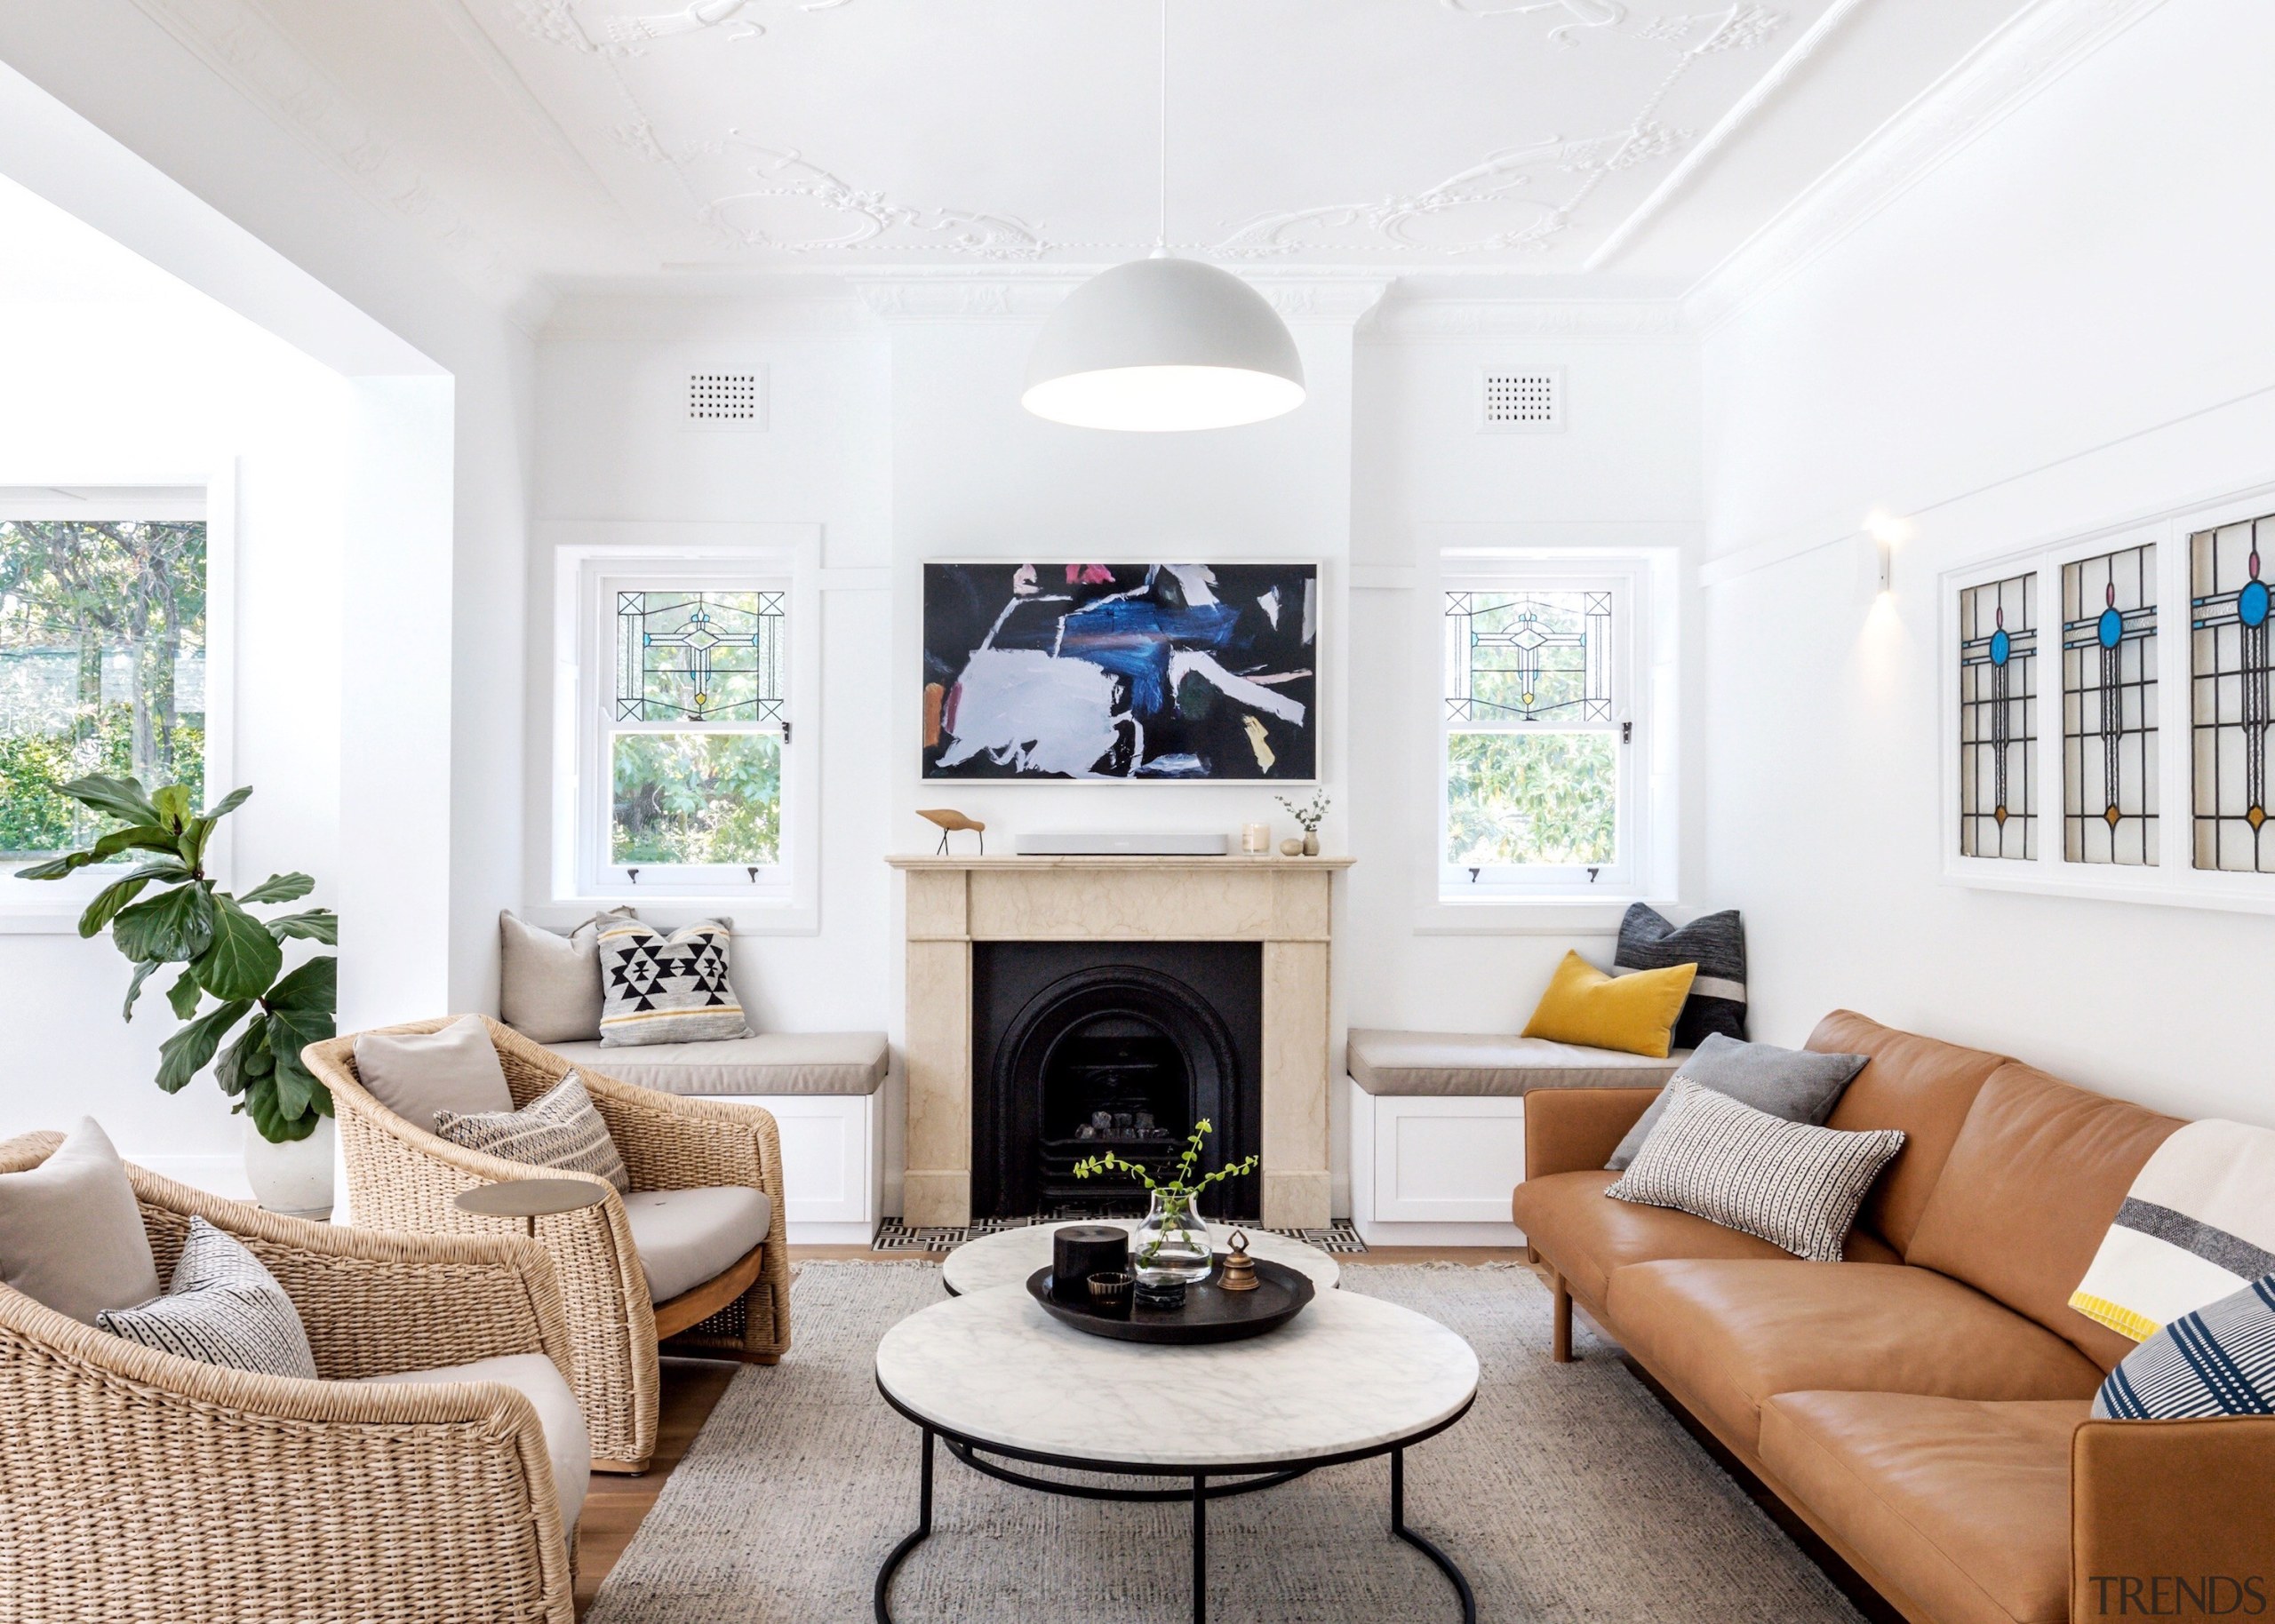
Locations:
{"points": [[1084, 1047]]}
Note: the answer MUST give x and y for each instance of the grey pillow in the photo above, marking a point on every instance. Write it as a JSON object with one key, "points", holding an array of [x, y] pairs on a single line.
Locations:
{"points": [[71, 1234], [1798, 1085], [549, 984], [223, 1308], [559, 1128], [417, 1074]]}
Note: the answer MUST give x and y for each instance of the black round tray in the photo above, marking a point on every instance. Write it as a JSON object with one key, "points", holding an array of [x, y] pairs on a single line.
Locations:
{"points": [[1210, 1314]]}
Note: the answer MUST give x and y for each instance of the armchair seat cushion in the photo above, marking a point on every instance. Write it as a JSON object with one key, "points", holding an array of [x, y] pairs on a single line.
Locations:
{"points": [[763, 1064], [536, 1379], [687, 1236], [1963, 1505]]}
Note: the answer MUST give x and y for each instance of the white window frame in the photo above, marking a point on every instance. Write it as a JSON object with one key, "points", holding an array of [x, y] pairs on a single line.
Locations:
{"points": [[782, 897], [1644, 581], [53, 907], [2174, 881]]}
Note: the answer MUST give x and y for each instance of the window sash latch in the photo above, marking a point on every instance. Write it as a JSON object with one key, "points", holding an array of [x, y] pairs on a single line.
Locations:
{"points": [[1627, 733]]}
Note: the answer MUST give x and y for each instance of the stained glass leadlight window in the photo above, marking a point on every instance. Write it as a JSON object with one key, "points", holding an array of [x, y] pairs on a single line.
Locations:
{"points": [[1532, 757], [1997, 660], [2228, 615], [701, 656], [2109, 708]]}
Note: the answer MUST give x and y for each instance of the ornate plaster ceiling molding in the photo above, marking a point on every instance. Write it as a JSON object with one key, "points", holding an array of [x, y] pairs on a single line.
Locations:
{"points": [[1578, 15], [865, 219], [2031, 52], [956, 296], [241, 46], [556, 22], [1473, 321]]}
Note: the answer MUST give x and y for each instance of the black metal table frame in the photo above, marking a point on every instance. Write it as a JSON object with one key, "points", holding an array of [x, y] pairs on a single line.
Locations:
{"points": [[1250, 1476]]}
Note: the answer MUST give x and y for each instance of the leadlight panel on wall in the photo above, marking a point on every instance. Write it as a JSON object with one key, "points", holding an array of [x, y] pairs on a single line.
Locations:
{"points": [[699, 657], [1529, 656], [1998, 694], [2228, 605], [2109, 708]]}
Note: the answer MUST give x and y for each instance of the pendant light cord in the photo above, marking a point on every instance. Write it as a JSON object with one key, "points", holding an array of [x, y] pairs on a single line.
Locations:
{"points": [[1162, 234]]}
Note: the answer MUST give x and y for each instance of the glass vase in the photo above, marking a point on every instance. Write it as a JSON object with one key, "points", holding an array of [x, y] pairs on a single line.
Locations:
{"points": [[1172, 1243]]}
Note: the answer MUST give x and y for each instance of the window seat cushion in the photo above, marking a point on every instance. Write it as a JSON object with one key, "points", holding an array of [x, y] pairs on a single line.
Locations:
{"points": [[1487, 1064], [766, 1062]]}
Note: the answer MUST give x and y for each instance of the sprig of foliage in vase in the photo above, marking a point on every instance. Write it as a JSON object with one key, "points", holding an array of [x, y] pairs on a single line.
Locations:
{"points": [[223, 949], [1308, 817], [1179, 1190]]}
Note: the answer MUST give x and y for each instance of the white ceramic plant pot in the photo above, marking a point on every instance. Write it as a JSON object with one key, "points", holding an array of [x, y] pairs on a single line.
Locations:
{"points": [[293, 1179]]}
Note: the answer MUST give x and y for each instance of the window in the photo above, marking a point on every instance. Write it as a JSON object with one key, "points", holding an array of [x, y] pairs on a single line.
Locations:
{"points": [[2230, 677], [684, 769], [1544, 782], [102, 665], [2109, 708], [1997, 656]]}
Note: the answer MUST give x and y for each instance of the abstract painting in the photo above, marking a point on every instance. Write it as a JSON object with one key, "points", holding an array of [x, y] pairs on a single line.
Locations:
{"points": [[1142, 672]]}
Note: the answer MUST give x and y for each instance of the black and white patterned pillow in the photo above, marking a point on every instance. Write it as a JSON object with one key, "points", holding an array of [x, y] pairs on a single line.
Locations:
{"points": [[1793, 1185], [222, 1308], [1715, 943], [668, 988], [557, 1129], [2219, 1360]]}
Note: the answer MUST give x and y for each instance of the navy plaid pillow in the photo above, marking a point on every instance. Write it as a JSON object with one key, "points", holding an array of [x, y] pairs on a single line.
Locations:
{"points": [[2218, 1361]]}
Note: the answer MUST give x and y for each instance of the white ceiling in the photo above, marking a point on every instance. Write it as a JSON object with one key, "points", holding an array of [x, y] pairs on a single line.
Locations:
{"points": [[585, 140]]}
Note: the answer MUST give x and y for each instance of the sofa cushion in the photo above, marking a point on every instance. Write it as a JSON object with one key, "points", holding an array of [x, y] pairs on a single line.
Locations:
{"points": [[1568, 1220], [668, 988], [222, 1307], [2031, 1188], [536, 1379], [417, 1074], [768, 1063], [1918, 1084], [1726, 1335], [71, 1234], [1475, 1064], [688, 1237], [549, 983], [1962, 1506], [559, 1129], [1796, 1085], [2219, 1360], [1715, 943], [1634, 1013]]}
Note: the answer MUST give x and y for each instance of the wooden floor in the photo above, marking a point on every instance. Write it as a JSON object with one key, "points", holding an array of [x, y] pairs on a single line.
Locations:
{"points": [[614, 1505]]}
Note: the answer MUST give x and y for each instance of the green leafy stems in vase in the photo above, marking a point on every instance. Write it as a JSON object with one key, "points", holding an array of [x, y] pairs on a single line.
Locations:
{"points": [[1173, 1242], [225, 952], [1309, 818]]}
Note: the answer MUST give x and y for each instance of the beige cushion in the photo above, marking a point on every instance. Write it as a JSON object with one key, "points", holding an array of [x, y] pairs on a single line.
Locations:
{"points": [[1477, 1063], [688, 1237], [549, 984], [536, 1379], [769, 1063], [71, 1235], [416, 1074]]}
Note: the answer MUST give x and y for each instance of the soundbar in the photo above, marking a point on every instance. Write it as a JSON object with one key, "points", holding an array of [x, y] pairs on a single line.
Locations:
{"points": [[1123, 843]]}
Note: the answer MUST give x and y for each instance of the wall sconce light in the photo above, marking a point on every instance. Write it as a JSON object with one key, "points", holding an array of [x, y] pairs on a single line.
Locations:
{"points": [[1886, 549], [1883, 532]]}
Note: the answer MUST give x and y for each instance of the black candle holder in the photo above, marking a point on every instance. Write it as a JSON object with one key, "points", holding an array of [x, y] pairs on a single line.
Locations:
{"points": [[1079, 1251]]}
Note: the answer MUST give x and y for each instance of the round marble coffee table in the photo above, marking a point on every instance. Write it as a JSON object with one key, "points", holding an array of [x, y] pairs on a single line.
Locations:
{"points": [[1009, 1256], [1350, 1378]]}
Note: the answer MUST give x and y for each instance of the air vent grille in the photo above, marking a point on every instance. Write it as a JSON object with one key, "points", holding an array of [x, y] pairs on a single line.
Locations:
{"points": [[1530, 402], [726, 400]]}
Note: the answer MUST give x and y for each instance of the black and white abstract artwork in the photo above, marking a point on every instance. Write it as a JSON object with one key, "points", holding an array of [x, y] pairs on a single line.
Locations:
{"points": [[1142, 673]]}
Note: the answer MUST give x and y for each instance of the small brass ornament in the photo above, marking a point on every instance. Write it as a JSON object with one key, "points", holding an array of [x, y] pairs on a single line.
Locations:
{"points": [[1239, 1272]]}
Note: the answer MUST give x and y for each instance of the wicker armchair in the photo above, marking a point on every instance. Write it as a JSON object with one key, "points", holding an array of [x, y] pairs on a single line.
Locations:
{"points": [[135, 1484], [401, 1177]]}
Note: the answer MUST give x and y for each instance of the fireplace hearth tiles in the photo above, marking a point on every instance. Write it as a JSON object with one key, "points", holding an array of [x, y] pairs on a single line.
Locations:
{"points": [[1284, 905]]}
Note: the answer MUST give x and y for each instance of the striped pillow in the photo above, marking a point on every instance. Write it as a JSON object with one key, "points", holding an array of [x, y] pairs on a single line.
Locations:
{"points": [[1715, 943], [2219, 1360], [1791, 1185], [223, 1308], [559, 1129]]}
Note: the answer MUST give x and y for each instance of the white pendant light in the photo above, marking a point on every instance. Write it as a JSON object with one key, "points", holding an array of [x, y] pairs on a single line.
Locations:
{"points": [[1163, 344]]}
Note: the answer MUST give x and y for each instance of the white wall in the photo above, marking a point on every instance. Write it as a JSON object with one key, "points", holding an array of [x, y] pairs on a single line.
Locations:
{"points": [[2065, 325]]}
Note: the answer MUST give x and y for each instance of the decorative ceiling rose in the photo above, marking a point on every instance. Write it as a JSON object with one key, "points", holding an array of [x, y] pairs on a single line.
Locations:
{"points": [[1163, 345]]}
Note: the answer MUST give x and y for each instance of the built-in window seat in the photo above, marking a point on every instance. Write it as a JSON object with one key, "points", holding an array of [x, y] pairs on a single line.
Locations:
{"points": [[826, 1092], [1438, 1127]]}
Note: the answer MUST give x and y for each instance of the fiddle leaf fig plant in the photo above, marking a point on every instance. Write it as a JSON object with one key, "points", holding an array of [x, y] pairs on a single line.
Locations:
{"points": [[225, 952]]}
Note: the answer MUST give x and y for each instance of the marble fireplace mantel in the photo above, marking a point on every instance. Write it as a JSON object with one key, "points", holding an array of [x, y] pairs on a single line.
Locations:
{"points": [[1286, 904]]}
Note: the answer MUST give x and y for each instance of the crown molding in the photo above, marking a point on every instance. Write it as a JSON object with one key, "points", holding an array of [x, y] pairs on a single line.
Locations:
{"points": [[1459, 321], [960, 297], [240, 45], [809, 311], [2031, 52]]}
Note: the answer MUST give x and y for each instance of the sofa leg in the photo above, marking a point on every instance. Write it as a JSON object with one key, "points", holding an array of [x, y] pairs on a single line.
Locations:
{"points": [[1559, 1334]]}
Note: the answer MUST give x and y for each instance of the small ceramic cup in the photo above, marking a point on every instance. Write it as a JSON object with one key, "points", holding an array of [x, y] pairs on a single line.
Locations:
{"points": [[1109, 1291]]}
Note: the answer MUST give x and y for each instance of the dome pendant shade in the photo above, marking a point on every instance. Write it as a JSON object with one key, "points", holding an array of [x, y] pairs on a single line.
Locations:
{"points": [[1161, 344]]}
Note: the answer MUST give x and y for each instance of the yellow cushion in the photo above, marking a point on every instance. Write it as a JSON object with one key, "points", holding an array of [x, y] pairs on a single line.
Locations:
{"points": [[1634, 1013]]}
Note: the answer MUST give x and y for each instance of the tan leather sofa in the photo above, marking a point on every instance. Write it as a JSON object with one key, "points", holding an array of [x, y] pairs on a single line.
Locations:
{"points": [[1923, 1405]]}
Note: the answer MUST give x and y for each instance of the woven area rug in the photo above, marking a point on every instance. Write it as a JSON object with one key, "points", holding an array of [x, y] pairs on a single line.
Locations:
{"points": [[1567, 1494]]}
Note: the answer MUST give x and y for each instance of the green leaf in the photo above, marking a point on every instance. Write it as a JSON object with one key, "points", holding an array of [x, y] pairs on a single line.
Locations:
{"points": [[175, 927], [147, 837], [124, 799], [228, 803], [316, 924], [184, 994], [194, 833], [243, 958], [109, 901], [314, 988], [280, 888], [134, 987], [246, 1059], [172, 804], [262, 1103], [54, 868], [291, 1031], [293, 1095], [183, 1056]]}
